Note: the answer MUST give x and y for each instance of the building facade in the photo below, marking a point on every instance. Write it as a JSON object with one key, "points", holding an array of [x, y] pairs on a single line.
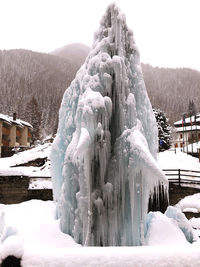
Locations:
{"points": [[14, 133], [187, 131]]}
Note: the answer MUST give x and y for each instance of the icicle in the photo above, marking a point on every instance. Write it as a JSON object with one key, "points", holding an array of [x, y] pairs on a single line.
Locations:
{"points": [[105, 175]]}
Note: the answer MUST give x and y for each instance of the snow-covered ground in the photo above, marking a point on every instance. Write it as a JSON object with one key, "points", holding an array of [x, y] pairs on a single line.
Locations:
{"points": [[179, 160], [29, 230], [10, 165], [40, 176]]}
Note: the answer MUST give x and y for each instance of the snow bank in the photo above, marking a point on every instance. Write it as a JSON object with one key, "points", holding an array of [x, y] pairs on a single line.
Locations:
{"points": [[169, 256], [34, 222], [161, 230], [190, 203]]}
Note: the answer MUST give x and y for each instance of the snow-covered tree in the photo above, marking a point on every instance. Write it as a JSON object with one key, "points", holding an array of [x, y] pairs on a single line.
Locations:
{"points": [[164, 129]]}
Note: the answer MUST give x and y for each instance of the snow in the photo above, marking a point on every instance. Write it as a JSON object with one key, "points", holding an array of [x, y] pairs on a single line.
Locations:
{"points": [[114, 257], [40, 183], [39, 242], [7, 165], [179, 160], [33, 222], [10, 120], [30, 230], [190, 203], [164, 232], [104, 166]]}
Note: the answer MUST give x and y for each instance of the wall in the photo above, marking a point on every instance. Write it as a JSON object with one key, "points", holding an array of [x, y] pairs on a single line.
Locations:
{"points": [[12, 136], [14, 189]]}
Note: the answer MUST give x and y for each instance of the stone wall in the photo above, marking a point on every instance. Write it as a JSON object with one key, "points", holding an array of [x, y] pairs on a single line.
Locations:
{"points": [[14, 189], [177, 192]]}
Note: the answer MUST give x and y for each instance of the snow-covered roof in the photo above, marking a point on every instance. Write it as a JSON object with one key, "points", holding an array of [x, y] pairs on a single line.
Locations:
{"points": [[188, 128], [10, 120], [188, 120]]}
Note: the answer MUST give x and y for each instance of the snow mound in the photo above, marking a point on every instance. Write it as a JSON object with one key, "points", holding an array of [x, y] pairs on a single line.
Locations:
{"points": [[190, 203], [163, 231]]}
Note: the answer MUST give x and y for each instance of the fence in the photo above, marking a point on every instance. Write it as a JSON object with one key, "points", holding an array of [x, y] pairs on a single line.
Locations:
{"points": [[182, 176]]}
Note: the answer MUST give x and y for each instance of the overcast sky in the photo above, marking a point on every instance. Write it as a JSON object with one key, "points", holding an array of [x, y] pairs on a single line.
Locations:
{"points": [[167, 32]]}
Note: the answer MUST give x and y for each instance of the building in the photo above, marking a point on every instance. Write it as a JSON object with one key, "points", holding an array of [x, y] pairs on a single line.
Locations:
{"points": [[14, 133], [187, 131]]}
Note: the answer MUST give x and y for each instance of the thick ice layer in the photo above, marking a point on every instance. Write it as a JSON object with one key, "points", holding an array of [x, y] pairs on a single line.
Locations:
{"points": [[177, 216], [103, 158]]}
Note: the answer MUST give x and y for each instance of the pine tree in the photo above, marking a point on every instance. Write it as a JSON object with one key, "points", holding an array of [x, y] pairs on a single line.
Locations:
{"points": [[164, 129], [191, 108], [33, 116]]}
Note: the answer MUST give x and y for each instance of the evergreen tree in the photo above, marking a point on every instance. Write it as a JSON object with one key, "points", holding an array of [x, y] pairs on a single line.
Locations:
{"points": [[191, 108], [164, 129], [33, 116]]}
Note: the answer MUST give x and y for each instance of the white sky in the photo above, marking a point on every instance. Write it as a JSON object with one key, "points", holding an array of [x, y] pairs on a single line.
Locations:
{"points": [[167, 32]]}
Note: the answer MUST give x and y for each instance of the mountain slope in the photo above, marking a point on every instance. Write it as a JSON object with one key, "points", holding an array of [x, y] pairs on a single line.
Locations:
{"points": [[25, 74], [75, 52], [171, 89]]}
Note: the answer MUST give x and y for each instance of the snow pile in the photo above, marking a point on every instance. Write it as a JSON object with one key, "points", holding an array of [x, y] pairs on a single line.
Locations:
{"points": [[190, 203], [10, 165], [161, 230], [170, 228], [33, 222], [104, 166]]}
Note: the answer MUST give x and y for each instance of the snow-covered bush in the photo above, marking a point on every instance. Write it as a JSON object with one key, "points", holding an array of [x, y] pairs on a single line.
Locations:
{"points": [[164, 130]]}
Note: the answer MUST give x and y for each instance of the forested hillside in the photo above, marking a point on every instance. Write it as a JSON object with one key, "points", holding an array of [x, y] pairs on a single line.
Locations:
{"points": [[32, 85], [33, 81], [171, 89], [77, 52]]}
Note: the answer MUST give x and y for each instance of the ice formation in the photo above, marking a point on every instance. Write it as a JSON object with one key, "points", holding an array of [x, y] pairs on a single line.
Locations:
{"points": [[177, 216], [170, 228], [104, 168]]}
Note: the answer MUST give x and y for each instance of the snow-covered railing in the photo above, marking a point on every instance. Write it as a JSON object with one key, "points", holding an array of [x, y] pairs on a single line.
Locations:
{"points": [[181, 176]]}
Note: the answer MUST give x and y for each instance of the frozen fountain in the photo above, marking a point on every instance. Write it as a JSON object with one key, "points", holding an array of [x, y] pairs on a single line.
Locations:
{"points": [[104, 169]]}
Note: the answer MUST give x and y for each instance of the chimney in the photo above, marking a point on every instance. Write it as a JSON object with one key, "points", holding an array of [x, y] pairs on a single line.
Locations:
{"points": [[14, 116]]}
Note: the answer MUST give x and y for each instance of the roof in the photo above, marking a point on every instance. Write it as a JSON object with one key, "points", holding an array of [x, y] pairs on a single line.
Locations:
{"points": [[18, 122], [188, 120]]}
